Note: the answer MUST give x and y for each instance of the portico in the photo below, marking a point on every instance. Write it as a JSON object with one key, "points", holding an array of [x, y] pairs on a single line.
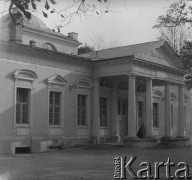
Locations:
{"points": [[132, 86], [52, 97]]}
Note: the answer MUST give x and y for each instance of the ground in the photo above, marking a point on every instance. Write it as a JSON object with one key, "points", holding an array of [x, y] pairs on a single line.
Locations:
{"points": [[86, 163]]}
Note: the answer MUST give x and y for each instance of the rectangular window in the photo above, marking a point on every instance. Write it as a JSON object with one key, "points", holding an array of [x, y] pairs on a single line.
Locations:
{"points": [[140, 113], [185, 116], [172, 115], [54, 108], [81, 110], [119, 107], [22, 106], [155, 115], [103, 111]]}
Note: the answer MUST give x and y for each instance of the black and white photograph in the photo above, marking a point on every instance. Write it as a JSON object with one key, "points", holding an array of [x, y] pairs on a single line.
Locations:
{"points": [[95, 89]]}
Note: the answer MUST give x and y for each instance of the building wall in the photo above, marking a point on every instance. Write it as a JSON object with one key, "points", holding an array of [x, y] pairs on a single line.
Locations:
{"points": [[38, 135], [41, 38]]}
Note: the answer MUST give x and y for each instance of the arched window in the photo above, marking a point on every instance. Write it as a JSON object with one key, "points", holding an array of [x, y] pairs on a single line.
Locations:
{"points": [[49, 46], [32, 43], [24, 80]]}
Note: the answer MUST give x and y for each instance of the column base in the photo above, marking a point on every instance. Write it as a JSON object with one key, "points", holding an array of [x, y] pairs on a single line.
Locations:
{"points": [[116, 139], [175, 142], [131, 138], [135, 142], [96, 139], [167, 138]]}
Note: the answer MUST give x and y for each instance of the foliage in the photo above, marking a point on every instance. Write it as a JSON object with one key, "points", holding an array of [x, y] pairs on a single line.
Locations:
{"points": [[100, 42], [175, 36], [186, 57], [76, 8], [175, 25], [178, 13], [85, 49]]}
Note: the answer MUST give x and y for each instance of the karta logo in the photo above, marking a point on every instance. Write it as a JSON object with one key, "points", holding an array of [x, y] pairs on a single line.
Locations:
{"points": [[149, 171]]}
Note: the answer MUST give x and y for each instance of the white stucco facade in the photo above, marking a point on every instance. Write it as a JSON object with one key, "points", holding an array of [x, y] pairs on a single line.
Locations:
{"points": [[53, 98]]}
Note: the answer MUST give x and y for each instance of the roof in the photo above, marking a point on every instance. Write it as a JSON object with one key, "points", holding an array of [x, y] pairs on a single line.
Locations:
{"points": [[36, 23], [131, 50]]}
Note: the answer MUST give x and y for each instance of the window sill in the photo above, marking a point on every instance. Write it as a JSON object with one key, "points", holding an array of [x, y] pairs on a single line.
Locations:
{"points": [[23, 125], [55, 126], [82, 127], [104, 127], [155, 128]]}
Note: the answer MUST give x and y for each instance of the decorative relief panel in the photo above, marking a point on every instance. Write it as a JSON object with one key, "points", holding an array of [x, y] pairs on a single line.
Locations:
{"points": [[55, 131], [23, 131], [82, 132], [104, 132]]}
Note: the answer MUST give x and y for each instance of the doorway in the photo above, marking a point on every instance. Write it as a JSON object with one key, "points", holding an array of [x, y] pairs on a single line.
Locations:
{"points": [[122, 119], [141, 115]]}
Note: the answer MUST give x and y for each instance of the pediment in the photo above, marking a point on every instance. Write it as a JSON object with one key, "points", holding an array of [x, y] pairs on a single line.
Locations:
{"points": [[157, 93], [163, 55], [56, 79], [25, 74], [84, 83]]}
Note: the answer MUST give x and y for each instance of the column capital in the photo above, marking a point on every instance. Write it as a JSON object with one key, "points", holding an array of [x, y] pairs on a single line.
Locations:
{"points": [[181, 85], [132, 76], [148, 79], [96, 79], [167, 83]]}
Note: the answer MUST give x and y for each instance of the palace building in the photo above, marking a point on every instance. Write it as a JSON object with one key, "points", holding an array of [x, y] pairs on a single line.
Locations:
{"points": [[51, 97]]}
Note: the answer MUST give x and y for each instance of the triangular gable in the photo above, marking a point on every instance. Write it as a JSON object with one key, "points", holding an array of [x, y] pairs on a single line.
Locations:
{"points": [[56, 79], [162, 55]]}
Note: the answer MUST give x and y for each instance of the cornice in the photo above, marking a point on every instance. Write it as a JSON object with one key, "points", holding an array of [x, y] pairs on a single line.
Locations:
{"points": [[50, 34], [73, 59], [158, 66], [113, 61]]}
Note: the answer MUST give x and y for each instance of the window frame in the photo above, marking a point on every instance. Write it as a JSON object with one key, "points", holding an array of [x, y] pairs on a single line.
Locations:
{"points": [[86, 110], [172, 115], [54, 106], [83, 86], [106, 112], [24, 78], [22, 104], [49, 46], [29, 124], [87, 94], [61, 107], [185, 116], [157, 116]]}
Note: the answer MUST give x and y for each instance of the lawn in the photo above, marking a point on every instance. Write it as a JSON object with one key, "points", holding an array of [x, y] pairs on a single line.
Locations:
{"points": [[90, 163]]}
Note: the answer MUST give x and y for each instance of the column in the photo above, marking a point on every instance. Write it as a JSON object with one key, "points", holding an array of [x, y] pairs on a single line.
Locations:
{"points": [[131, 108], [114, 112], [96, 111], [181, 113], [167, 110], [149, 108]]}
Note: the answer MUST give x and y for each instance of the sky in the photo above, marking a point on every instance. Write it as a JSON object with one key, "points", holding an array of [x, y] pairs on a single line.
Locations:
{"points": [[127, 22]]}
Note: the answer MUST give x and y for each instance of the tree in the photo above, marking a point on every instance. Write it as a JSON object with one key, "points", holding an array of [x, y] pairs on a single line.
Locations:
{"points": [[85, 49], [175, 36], [99, 42], [175, 25], [76, 8], [186, 57], [178, 13]]}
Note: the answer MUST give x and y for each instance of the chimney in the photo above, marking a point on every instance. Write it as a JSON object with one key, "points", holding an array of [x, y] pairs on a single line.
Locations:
{"points": [[73, 35], [16, 30]]}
